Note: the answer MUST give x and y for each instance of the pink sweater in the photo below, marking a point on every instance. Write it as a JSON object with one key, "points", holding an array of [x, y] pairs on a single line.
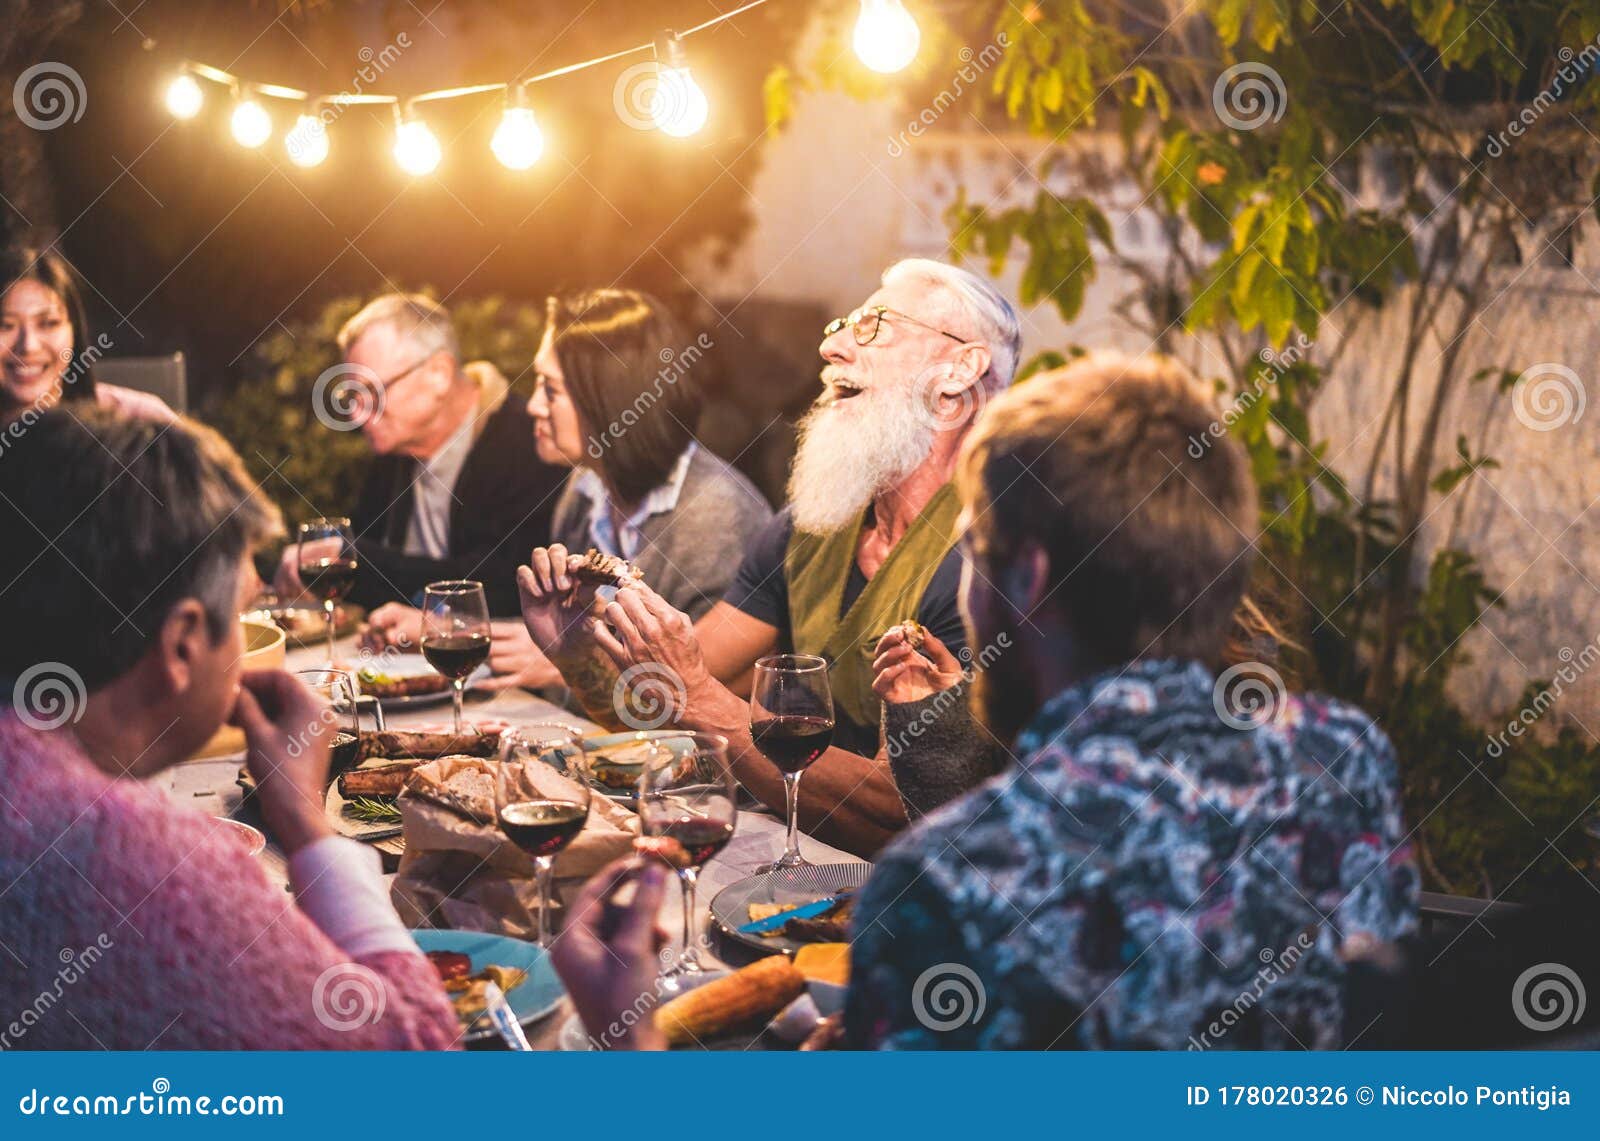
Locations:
{"points": [[129, 922]]}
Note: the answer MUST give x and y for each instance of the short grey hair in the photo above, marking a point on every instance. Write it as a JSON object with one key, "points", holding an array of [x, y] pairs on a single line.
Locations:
{"points": [[420, 321], [993, 318]]}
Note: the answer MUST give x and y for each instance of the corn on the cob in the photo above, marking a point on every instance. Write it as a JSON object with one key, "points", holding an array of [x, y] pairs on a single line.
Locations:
{"points": [[746, 996]]}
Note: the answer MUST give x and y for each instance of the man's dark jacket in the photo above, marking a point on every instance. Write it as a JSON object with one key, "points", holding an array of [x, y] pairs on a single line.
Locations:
{"points": [[500, 510]]}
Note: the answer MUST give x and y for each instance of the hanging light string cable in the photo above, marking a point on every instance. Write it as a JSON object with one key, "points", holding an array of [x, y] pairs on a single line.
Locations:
{"points": [[277, 91]]}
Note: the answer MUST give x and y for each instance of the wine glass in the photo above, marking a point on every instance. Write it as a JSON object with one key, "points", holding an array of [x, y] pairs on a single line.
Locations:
{"points": [[455, 633], [327, 565], [538, 811], [791, 721], [689, 798], [342, 718]]}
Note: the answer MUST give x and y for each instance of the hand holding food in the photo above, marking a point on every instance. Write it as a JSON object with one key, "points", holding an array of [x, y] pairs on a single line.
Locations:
{"points": [[607, 954], [556, 605], [910, 664]]}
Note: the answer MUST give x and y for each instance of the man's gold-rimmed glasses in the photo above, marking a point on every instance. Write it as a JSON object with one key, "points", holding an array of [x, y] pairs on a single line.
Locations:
{"points": [[864, 324]]}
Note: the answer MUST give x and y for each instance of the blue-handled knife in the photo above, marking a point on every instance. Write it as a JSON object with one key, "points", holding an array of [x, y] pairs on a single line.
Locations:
{"points": [[804, 911]]}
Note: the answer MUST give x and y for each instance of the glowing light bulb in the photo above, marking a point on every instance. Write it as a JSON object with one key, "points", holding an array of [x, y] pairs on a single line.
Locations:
{"points": [[517, 141], [184, 97], [252, 126], [307, 141], [415, 148], [677, 105], [886, 37]]}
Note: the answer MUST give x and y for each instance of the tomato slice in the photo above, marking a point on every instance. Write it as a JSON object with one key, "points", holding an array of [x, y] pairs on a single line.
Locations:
{"points": [[450, 964]]}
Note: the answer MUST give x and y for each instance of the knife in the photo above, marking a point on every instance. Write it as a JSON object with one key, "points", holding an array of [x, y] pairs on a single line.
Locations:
{"points": [[804, 911], [505, 1022]]}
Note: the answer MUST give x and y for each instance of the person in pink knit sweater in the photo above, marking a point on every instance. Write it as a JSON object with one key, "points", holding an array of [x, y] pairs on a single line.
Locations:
{"points": [[128, 921]]}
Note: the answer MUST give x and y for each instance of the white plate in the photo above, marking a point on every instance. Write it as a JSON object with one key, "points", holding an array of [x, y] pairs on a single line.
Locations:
{"points": [[415, 665]]}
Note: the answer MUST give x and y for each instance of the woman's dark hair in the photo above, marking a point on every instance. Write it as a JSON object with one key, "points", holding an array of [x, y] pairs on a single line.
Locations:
{"points": [[50, 269], [630, 376]]}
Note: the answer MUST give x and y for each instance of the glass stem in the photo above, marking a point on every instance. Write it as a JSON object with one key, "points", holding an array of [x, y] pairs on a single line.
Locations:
{"points": [[543, 865], [327, 607], [690, 959], [791, 792], [456, 689]]}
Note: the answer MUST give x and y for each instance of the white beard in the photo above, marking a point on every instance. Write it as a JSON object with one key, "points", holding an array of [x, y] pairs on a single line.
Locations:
{"points": [[852, 450]]}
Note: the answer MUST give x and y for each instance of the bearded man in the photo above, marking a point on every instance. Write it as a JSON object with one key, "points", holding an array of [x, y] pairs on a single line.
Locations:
{"points": [[866, 543]]}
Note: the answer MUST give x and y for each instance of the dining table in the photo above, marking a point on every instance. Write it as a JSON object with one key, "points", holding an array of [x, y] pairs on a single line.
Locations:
{"points": [[211, 784]]}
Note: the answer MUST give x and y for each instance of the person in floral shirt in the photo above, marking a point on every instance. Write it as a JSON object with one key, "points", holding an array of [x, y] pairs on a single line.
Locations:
{"points": [[1174, 859]]}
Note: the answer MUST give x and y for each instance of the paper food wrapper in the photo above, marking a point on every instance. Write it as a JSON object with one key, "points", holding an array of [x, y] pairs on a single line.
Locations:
{"points": [[464, 874]]}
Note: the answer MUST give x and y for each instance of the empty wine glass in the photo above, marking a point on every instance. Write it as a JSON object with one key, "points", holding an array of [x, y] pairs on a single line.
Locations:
{"points": [[541, 798], [791, 722], [688, 799], [326, 561], [455, 633]]}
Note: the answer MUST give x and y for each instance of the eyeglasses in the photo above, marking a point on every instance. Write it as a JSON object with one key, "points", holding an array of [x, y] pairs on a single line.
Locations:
{"points": [[864, 324], [377, 388]]}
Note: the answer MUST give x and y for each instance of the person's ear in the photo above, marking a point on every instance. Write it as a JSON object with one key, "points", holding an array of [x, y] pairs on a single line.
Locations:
{"points": [[186, 644], [973, 361]]}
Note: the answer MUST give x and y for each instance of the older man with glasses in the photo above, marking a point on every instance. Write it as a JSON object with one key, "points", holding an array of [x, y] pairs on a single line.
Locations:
{"points": [[456, 491], [865, 544]]}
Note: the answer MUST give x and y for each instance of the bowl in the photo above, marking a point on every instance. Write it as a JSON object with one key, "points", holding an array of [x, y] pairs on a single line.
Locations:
{"points": [[265, 644]]}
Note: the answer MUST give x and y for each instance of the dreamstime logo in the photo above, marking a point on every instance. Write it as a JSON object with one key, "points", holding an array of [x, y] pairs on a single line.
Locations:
{"points": [[48, 95], [48, 695], [647, 94], [973, 66], [1248, 694], [1548, 396], [648, 695], [675, 364], [947, 996], [347, 396], [1548, 996], [943, 402], [348, 996], [1249, 95]]}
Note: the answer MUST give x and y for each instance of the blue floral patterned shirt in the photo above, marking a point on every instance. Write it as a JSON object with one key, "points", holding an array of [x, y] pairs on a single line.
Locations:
{"points": [[1149, 874]]}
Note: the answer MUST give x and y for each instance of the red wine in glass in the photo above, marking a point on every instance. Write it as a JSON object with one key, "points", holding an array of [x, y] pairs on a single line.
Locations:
{"points": [[792, 742], [456, 655], [542, 827], [329, 580], [700, 837]]}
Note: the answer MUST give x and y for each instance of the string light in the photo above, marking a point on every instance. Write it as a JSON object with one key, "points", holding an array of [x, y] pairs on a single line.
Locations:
{"points": [[416, 148], [517, 141], [886, 37], [677, 105], [251, 124], [184, 97], [307, 141]]}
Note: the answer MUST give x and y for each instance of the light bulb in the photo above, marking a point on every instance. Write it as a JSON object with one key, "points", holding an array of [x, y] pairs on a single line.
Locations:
{"points": [[307, 142], [252, 126], [415, 148], [184, 97], [677, 105], [517, 141], [886, 37]]}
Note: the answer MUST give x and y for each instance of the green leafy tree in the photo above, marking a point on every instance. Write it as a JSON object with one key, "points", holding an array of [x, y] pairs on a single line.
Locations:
{"points": [[1245, 124]]}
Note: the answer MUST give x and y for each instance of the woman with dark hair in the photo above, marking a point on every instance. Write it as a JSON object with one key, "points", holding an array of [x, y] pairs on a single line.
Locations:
{"points": [[45, 352], [616, 399]]}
